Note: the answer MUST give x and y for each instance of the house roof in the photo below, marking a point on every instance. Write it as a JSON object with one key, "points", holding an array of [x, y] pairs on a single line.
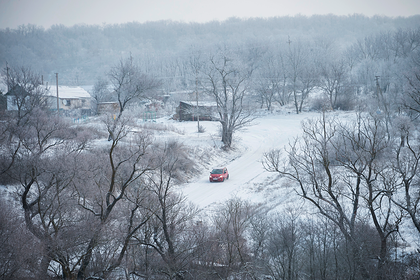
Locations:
{"points": [[15, 89], [66, 92]]}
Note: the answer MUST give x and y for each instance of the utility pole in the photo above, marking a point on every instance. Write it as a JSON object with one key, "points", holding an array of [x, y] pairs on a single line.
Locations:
{"points": [[58, 103], [7, 77], [288, 40], [196, 95], [382, 100]]}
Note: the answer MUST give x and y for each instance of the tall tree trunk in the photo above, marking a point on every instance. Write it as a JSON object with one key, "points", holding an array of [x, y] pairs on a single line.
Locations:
{"points": [[87, 257]]}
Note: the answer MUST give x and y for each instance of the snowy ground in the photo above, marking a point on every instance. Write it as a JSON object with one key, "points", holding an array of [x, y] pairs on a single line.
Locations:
{"points": [[248, 179]]}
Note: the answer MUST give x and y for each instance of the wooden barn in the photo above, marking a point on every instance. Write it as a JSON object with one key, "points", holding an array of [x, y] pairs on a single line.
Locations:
{"points": [[188, 111]]}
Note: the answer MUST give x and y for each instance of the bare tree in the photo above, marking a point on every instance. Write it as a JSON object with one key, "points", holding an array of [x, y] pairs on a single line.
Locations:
{"points": [[226, 80], [71, 196], [411, 97], [301, 73], [232, 223], [125, 165], [19, 253], [334, 81], [308, 81], [100, 92], [285, 246], [27, 89], [44, 152], [196, 65], [172, 217], [260, 227], [271, 81], [325, 257], [405, 165], [130, 84], [29, 102], [335, 167], [364, 150], [404, 42]]}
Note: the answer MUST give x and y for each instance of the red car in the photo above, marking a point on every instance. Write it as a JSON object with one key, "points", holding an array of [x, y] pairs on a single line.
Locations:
{"points": [[219, 174]]}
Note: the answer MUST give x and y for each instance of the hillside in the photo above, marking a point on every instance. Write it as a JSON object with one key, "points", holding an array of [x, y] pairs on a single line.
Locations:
{"points": [[82, 53]]}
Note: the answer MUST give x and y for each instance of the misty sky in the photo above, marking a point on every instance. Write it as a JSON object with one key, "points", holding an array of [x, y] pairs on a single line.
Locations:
{"points": [[70, 12]]}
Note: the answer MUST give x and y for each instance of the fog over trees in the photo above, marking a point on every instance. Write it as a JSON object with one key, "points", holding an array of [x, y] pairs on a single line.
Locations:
{"points": [[100, 200], [82, 53]]}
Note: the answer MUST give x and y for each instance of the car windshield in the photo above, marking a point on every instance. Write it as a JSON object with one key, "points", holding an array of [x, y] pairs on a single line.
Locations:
{"points": [[217, 171]]}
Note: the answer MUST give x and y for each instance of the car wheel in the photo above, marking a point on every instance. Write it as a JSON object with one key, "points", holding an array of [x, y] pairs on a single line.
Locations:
{"points": [[227, 178]]}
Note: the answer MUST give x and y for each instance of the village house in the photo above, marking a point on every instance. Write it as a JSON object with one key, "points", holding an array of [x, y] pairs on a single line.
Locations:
{"points": [[71, 100]]}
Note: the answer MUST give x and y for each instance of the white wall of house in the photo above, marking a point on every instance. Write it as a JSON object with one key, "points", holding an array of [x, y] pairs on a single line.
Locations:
{"points": [[11, 103]]}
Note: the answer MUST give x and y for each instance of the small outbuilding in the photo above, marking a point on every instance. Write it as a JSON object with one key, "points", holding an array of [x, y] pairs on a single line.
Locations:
{"points": [[15, 98], [190, 110], [111, 107]]}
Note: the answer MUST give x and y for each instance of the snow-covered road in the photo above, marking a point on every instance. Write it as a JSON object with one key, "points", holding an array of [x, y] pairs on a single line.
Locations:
{"points": [[248, 179]]}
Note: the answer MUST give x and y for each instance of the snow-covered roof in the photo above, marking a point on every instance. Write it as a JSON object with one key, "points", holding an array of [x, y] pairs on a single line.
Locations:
{"points": [[67, 92], [201, 103]]}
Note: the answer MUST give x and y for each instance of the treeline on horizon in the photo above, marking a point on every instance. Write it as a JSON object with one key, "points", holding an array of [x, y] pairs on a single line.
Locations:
{"points": [[82, 53]]}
